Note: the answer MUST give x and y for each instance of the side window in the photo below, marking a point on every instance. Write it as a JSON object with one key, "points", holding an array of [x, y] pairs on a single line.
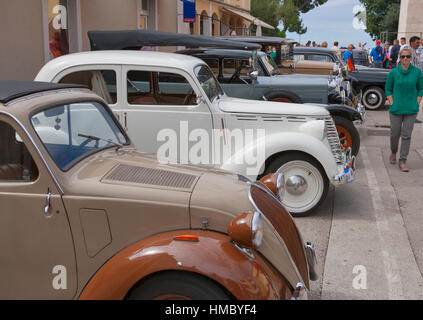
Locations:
{"points": [[16, 163], [159, 88], [321, 58], [101, 82], [232, 65], [213, 64], [299, 57]]}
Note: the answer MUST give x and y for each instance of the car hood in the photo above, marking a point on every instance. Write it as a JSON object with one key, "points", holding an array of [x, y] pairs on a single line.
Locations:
{"points": [[235, 105]]}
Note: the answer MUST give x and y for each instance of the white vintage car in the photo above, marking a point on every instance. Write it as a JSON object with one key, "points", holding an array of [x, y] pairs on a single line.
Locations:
{"points": [[172, 105]]}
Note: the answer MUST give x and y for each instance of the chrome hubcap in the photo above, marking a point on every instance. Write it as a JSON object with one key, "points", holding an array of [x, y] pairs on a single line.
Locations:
{"points": [[296, 185], [373, 98]]}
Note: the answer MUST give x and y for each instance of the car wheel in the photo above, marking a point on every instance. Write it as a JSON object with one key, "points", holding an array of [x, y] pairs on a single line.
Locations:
{"points": [[348, 134], [374, 98], [306, 182], [283, 96], [177, 285]]}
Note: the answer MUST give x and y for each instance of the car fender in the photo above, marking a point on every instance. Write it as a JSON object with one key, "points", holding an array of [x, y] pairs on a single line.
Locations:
{"points": [[277, 143], [343, 111], [213, 255]]}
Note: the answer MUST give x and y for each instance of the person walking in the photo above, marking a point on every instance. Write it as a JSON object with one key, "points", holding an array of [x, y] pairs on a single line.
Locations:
{"points": [[377, 56], [414, 45], [404, 90], [394, 55]]}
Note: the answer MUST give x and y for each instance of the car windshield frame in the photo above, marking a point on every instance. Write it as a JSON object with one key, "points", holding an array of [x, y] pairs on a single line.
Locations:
{"points": [[108, 117], [219, 90], [268, 64]]}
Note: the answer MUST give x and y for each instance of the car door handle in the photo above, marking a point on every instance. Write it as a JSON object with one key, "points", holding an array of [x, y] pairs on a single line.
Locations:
{"points": [[47, 207]]}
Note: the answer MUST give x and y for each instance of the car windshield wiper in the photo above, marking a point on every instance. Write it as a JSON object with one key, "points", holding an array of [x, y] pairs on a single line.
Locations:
{"points": [[117, 145]]}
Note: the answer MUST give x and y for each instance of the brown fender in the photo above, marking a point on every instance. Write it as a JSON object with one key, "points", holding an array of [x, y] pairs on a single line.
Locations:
{"points": [[212, 255]]}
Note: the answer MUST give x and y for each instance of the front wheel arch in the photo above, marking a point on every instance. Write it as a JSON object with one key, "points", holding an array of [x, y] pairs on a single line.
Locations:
{"points": [[138, 291]]}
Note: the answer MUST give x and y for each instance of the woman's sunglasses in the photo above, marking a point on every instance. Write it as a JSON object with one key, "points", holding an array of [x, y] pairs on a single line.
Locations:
{"points": [[403, 57]]}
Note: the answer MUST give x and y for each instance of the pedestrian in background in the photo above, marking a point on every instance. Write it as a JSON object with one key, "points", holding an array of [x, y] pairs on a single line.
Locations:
{"points": [[404, 90], [349, 58], [394, 55], [388, 57], [308, 43], [324, 44], [378, 55], [415, 44], [336, 49]]}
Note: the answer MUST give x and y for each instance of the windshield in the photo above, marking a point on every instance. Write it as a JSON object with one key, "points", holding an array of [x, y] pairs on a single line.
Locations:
{"points": [[269, 64], [71, 132], [208, 82]]}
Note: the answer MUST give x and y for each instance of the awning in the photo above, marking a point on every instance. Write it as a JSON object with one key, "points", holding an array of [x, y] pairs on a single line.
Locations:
{"points": [[249, 17]]}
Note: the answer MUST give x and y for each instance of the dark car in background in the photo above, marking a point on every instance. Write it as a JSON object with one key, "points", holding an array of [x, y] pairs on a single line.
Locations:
{"points": [[370, 80]]}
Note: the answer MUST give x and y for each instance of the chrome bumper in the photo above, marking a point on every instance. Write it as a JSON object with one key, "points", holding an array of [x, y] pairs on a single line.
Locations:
{"points": [[311, 261], [360, 109]]}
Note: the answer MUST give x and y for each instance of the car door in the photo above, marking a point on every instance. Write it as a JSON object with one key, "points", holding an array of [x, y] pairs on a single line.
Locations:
{"points": [[162, 114], [37, 257]]}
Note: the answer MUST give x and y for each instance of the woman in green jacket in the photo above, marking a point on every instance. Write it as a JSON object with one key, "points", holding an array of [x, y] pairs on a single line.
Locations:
{"points": [[404, 90]]}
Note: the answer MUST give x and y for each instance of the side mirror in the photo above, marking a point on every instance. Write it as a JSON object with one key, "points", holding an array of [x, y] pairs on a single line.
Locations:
{"points": [[253, 75], [200, 99]]}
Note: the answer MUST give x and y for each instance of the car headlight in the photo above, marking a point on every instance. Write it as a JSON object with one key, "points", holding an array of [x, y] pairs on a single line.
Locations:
{"points": [[246, 230], [275, 182]]}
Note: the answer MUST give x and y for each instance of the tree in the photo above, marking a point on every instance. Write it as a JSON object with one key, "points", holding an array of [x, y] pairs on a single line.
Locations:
{"points": [[381, 16], [287, 12]]}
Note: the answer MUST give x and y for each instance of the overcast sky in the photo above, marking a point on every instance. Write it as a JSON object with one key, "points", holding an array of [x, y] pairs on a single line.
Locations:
{"points": [[333, 21]]}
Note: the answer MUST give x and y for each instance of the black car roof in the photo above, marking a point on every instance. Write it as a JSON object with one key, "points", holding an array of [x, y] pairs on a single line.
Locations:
{"points": [[135, 39], [217, 53], [313, 49], [261, 40], [10, 90]]}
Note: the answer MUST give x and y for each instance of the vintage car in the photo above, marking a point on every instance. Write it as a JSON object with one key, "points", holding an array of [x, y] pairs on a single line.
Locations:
{"points": [[287, 64], [285, 56], [86, 216], [255, 76], [360, 56], [371, 81], [173, 105]]}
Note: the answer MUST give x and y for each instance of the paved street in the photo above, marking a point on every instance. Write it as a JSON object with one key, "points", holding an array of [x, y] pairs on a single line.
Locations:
{"points": [[368, 235]]}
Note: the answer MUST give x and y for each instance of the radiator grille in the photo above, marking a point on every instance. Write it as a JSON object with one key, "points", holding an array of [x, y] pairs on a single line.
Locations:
{"points": [[149, 176], [334, 142]]}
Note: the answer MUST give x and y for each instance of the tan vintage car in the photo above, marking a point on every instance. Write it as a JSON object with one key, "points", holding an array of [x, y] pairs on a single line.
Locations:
{"points": [[86, 216]]}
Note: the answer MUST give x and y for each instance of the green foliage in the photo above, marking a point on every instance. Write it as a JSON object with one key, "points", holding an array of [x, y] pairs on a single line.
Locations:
{"points": [[382, 15], [287, 12]]}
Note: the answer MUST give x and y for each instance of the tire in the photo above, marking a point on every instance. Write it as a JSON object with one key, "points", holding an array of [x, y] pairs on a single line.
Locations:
{"points": [[283, 96], [177, 285], [374, 98], [348, 134], [300, 164]]}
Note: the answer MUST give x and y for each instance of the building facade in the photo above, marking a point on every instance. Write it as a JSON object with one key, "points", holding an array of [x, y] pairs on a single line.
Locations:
{"points": [[411, 22], [32, 32]]}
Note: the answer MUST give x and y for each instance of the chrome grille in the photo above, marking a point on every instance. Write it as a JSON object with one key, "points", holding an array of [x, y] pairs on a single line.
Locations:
{"points": [[334, 142], [149, 176]]}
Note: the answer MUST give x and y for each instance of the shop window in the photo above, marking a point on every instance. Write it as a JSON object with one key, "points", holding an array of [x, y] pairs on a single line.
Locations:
{"points": [[16, 163], [143, 14], [58, 27]]}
